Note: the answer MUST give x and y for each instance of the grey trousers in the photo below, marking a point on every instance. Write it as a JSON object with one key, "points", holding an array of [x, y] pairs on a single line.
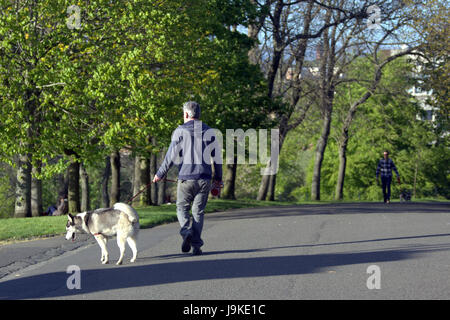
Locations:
{"points": [[192, 193]]}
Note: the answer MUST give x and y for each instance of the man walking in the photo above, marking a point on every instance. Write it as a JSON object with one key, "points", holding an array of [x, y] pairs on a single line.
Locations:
{"points": [[191, 150], [385, 167]]}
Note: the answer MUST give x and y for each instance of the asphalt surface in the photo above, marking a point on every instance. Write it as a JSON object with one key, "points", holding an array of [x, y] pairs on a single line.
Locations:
{"points": [[276, 253]]}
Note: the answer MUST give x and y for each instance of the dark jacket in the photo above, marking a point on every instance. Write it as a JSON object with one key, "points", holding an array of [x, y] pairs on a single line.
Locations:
{"points": [[191, 144], [385, 167]]}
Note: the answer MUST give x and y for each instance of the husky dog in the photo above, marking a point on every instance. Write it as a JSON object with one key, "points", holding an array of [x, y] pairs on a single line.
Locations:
{"points": [[121, 221]]}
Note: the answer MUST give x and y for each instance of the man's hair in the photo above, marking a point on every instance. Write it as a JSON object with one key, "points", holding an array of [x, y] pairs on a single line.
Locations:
{"points": [[386, 151], [192, 108]]}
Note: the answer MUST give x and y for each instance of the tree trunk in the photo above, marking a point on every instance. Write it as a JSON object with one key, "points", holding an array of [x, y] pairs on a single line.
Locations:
{"points": [[268, 182], [162, 184], [63, 184], [74, 186], [253, 30], [154, 186], [416, 170], [136, 180], [105, 182], [273, 178], [23, 188], [36, 192], [278, 48], [85, 199], [339, 194], [162, 192], [229, 187], [264, 186], [230, 181], [271, 188], [115, 178], [141, 179], [23, 203], [320, 151]]}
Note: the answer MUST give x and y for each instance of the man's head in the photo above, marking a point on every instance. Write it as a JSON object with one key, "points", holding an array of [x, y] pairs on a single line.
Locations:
{"points": [[191, 110], [386, 154]]}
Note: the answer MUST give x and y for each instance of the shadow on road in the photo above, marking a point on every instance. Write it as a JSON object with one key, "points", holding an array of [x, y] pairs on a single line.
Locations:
{"points": [[179, 255], [132, 276], [150, 271], [334, 209]]}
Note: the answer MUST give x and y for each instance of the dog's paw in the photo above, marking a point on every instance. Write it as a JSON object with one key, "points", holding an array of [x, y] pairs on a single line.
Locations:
{"points": [[119, 263]]}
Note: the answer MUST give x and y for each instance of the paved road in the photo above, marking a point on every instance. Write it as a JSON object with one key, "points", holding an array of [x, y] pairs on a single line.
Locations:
{"points": [[280, 253]]}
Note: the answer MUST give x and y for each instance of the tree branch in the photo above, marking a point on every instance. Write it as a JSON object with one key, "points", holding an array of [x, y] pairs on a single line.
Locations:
{"points": [[51, 85]]}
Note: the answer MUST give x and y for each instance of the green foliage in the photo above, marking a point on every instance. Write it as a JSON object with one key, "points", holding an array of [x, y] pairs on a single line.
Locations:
{"points": [[295, 159], [388, 120], [119, 79]]}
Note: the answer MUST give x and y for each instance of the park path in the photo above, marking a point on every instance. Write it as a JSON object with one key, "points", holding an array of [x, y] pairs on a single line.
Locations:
{"points": [[332, 251]]}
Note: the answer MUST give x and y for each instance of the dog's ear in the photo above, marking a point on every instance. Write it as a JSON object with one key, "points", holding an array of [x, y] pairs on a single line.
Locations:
{"points": [[70, 217]]}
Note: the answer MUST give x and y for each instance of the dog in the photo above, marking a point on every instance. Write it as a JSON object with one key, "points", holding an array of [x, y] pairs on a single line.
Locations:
{"points": [[121, 220], [405, 195]]}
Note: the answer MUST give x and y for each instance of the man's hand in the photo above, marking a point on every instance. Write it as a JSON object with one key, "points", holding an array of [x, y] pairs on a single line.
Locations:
{"points": [[378, 181], [156, 179], [218, 184]]}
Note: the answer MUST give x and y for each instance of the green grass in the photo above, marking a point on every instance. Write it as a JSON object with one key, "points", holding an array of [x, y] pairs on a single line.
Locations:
{"points": [[27, 228]]}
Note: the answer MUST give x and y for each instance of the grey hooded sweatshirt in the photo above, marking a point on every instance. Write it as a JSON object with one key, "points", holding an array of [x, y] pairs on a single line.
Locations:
{"points": [[193, 145]]}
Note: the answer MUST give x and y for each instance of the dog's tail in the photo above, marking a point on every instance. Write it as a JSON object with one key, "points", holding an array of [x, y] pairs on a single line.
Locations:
{"points": [[128, 210]]}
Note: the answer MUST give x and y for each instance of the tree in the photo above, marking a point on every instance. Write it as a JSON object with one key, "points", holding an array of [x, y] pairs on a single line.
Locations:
{"points": [[109, 83], [25, 44], [386, 120], [431, 23], [339, 47], [288, 30], [359, 100]]}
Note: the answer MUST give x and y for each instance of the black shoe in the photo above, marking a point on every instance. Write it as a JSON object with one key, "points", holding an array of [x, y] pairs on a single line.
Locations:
{"points": [[197, 251], [186, 245]]}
